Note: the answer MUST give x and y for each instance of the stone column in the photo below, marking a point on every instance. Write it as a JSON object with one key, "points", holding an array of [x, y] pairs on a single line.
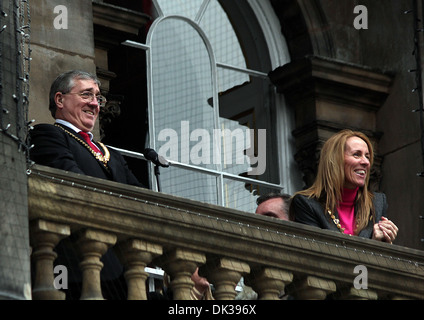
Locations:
{"points": [[224, 274], [92, 245], [269, 283], [180, 264], [312, 288], [136, 254], [45, 235]]}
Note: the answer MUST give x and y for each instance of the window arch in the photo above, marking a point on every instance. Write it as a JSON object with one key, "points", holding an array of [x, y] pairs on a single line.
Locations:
{"points": [[212, 111]]}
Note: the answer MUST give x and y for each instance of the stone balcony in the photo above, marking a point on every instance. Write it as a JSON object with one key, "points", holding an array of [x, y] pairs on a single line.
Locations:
{"points": [[178, 235]]}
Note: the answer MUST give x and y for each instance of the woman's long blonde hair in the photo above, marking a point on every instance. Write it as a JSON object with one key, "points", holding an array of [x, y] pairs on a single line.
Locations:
{"points": [[330, 178]]}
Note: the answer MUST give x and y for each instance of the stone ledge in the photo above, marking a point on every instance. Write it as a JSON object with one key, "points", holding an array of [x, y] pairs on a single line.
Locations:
{"points": [[173, 222]]}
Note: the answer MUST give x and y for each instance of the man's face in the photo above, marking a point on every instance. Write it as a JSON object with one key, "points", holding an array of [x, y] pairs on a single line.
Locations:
{"points": [[73, 108]]}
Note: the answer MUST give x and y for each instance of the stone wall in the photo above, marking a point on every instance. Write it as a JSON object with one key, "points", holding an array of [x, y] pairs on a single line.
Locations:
{"points": [[57, 49], [15, 281]]}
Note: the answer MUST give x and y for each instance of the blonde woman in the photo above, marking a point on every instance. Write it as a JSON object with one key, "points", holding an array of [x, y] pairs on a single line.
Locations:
{"points": [[339, 198]]}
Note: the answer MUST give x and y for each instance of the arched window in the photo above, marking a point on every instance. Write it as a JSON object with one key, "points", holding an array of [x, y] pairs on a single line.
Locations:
{"points": [[212, 111]]}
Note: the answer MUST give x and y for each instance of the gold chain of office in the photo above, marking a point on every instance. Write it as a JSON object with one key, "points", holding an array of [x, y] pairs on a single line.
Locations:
{"points": [[102, 158], [336, 221]]}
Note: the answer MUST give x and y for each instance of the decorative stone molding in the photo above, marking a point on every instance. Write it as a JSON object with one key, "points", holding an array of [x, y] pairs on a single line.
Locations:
{"points": [[234, 242], [118, 19], [111, 111]]}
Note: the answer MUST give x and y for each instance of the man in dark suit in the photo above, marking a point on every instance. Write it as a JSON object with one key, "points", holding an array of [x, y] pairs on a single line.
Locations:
{"points": [[75, 103]]}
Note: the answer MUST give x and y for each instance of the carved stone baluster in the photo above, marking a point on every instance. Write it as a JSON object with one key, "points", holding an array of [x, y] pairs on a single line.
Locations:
{"points": [[92, 245], [136, 254], [180, 265], [45, 236], [269, 283], [312, 288], [224, 274], [351, 293]]}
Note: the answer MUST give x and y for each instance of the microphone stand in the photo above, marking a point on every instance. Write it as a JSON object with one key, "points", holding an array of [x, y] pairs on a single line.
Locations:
{"points": [[157, 174], [151, 155]]}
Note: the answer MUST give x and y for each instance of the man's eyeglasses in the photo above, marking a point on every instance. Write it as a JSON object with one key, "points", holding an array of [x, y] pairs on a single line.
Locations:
{"points": [[89, 97]]}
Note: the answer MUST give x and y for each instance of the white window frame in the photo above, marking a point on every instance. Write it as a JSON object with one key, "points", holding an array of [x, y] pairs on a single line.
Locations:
{"points": [[278, 55]]}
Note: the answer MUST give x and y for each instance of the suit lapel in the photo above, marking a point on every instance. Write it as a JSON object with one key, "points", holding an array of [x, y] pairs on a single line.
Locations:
{"points": [[73, 134]]}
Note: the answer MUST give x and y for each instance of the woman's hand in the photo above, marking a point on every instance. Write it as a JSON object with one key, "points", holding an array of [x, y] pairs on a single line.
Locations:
{"points": [[385, 230]]}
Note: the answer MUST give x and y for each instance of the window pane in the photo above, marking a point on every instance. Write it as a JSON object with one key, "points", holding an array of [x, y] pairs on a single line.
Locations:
{"points": [[182, 108], [247, 108], [188, 8], [220, 32], [182, 94], [242, 196], [189, 184], [185, 121], [229, 79], [234, 142], [227, 49]]}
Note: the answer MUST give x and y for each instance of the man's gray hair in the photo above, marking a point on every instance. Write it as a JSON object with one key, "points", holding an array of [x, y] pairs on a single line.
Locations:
{"points": [[286, 199]]}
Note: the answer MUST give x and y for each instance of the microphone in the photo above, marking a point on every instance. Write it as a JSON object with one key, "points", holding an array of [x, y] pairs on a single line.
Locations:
{"points": [[158, 160]]}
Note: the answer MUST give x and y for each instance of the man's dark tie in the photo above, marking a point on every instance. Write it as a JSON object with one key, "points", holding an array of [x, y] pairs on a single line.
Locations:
{"points": [[87, 139]]}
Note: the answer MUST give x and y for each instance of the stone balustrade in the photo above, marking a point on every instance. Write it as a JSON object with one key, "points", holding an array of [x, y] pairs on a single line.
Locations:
{"points": [[178, 235]]}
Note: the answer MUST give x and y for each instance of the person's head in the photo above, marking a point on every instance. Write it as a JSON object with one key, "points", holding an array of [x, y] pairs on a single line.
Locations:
{"points": [[345, 161], [74, 97], [274, 205]]}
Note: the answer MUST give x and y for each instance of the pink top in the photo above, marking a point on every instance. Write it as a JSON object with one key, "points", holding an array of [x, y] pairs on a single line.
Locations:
{"points": [[346, 210]]}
